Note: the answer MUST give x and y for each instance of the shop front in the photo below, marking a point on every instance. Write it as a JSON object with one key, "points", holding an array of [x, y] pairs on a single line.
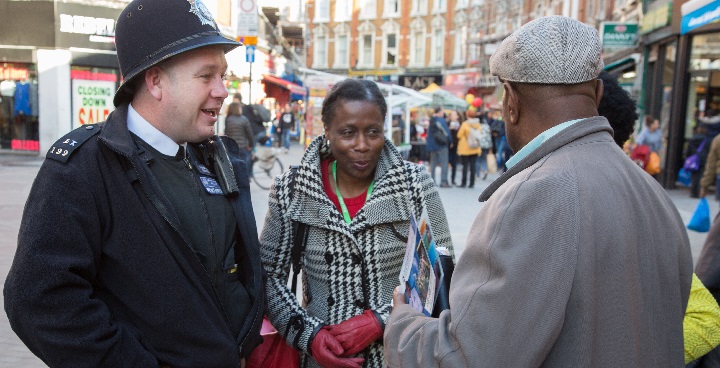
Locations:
{"points": [[695, 98], [64, 52], [19, 128]]}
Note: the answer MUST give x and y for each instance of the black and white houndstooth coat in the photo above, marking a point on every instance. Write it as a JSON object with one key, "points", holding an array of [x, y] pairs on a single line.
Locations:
{"points": [[346, 267]]}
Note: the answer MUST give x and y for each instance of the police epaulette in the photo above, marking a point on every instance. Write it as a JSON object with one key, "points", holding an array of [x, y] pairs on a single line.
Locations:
{"points": [[65, 146]]}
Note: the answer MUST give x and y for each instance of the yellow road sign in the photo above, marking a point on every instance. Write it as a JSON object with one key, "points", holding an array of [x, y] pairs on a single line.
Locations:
{"points": [[247, 40]]}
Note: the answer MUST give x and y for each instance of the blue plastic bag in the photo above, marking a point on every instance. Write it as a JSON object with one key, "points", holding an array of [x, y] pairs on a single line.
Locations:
{"points": [[684, 177], [700, 220]]}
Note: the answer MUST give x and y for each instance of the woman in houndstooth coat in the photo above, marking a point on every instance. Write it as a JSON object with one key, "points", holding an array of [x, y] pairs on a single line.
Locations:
{"points": [[352, 258]]}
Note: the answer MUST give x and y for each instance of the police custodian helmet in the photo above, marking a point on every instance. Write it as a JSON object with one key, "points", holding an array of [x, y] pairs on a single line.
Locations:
{"points": [[150, 31]]}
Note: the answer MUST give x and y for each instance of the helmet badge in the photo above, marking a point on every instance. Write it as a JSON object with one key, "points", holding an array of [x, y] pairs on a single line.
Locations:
{"points": [[202, 12]]}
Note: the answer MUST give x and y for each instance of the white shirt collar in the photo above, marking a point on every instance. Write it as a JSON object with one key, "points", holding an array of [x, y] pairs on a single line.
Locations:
{"points": [[151, 135]]}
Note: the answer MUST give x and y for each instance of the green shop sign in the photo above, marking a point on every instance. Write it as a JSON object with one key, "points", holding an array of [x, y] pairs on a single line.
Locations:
{"points": [[617, 35]]}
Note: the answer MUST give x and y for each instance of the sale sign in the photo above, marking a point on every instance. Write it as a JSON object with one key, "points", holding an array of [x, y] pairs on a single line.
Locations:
{"points": [[92, 101]]}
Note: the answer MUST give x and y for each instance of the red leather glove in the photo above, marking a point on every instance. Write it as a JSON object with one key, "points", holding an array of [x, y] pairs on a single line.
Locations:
{"points": [[357, 333], [326, 351]]}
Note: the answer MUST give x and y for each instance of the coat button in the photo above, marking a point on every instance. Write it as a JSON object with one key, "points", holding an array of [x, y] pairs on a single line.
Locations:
{"points": [[328, 258], [360, 304], [297, 324], [330, 301], [356, 259]]}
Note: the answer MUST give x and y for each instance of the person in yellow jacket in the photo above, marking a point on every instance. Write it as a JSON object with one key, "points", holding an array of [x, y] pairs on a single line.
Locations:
{"points": [[701, 325], [467, 153]]}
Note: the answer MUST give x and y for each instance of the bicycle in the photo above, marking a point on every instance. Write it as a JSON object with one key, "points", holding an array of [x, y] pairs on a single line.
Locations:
{"points": [[266, 164]]}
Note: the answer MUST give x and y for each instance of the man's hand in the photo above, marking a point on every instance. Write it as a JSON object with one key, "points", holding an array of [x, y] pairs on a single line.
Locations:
{"points": [[702, 193], [357, 333], [326, 351], [398, 298]]}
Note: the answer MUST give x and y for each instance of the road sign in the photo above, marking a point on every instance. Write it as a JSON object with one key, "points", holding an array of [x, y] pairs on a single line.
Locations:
{"points": [[247, 40], [250, 54], [247, 20]]}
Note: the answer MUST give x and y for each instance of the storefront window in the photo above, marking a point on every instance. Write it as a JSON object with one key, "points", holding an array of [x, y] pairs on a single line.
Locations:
{"points": [[93, 90], [668, 74], [19, 107], [705, 53], [704, 88]]}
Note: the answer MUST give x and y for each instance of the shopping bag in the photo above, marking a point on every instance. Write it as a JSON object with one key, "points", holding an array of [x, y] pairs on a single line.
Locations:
{"points": [[684, 177], [652, 166], [491, 163], [700, 220], [273, 352]]}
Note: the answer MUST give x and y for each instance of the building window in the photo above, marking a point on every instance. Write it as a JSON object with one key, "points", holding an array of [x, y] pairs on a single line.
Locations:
{"points": [[391, 49], [367, 50], [439, 6], [460, 42], [343, 10], [341, 51], [418, 48], [437, 49], [419, 7], [322, 13], [320, 51], [461, 4], [438, 40], [369, 10], [391, 8], [473, 54]]}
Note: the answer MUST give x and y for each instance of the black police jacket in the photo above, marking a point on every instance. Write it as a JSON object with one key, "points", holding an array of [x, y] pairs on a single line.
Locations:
{"points": [[102, 275]]}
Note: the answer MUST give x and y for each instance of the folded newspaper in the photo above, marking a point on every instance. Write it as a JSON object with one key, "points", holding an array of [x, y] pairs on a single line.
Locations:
{"points": [[421, 271]]}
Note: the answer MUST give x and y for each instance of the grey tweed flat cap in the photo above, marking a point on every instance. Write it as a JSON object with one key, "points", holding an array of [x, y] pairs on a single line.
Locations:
{"points": [[549, 50]]}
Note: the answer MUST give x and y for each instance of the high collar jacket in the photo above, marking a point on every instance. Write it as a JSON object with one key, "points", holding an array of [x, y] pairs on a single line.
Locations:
{"points": [[577, 259], [347, 268], [103, 275]]}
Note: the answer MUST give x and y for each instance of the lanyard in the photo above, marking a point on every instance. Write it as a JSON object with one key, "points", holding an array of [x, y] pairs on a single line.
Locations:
{"points": [[345, 212]]}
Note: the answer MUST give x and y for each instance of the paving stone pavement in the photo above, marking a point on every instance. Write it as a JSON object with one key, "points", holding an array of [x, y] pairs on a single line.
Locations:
{"points": [[17, 173]]}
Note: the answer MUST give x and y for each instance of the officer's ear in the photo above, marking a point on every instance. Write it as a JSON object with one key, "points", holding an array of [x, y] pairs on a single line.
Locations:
{"points": [[152, 82]]}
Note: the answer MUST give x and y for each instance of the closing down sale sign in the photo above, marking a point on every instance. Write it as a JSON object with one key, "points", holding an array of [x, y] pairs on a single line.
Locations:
{"points": [[92, 101]]}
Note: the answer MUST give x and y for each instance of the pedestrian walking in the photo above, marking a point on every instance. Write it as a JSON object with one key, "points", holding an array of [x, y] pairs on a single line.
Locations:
{"points": [[557, 247], [438, 142], [287, 123], [238, 128], [486, 145], [651, 135], [698, 145], [468, 153], [454, 125], [353, 196], [150, 257]]}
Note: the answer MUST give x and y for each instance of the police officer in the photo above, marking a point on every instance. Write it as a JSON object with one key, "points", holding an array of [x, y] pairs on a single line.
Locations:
{"points": [[138, 245]]}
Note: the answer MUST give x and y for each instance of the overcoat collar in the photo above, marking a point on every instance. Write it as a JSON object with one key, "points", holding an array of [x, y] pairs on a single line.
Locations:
{"points": [[390, 200], [578, 130]]}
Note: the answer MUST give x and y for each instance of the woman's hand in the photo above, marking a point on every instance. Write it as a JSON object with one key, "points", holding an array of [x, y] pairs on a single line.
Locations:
{"points": [[326, 351], [357, 333]]}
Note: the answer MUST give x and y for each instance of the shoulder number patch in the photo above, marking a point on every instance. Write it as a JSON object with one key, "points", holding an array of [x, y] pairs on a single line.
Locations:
{"points": [[65, 146]]}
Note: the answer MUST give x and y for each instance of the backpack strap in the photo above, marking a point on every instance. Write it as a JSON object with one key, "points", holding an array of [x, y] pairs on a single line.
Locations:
{"points": [[702, 145], [300, 235]]}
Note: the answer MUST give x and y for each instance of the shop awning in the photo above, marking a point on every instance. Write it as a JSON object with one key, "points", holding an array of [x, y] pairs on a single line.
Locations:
{"points": [[620, 65], [290, 86]]}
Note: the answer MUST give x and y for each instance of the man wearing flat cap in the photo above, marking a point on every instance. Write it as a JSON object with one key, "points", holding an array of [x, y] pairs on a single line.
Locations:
{"points": [[552, 275], [138, 245]]}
